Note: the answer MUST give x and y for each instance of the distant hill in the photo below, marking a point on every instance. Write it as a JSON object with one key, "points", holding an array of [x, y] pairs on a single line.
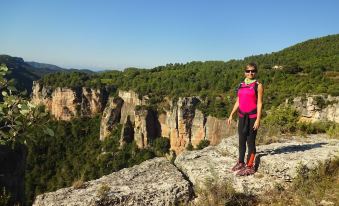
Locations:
{"points": [[45, 66], [50, 68], [319, 53], [24, 73]]}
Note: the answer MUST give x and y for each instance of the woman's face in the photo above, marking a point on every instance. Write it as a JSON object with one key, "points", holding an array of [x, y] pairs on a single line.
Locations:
{"points": [[250, 72]]}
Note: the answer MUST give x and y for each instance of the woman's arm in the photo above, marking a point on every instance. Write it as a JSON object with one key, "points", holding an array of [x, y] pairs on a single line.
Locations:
{"points": [[235, 107], [260, 101]]}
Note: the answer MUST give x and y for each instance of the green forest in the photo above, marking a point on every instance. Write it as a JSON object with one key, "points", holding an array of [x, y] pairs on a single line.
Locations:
{"points": [[75, 154]]}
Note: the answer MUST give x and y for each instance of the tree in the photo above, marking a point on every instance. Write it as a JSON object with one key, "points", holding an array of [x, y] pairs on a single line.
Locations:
{"points": [[16, 113]]}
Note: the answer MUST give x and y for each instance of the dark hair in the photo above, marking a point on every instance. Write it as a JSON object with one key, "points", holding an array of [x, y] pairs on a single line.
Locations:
{"points": [[252, 64]]}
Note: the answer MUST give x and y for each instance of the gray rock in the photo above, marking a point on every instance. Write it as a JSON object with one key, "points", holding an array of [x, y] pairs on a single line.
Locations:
{"points": [[315, 108], [153, 182], [277, 163]]}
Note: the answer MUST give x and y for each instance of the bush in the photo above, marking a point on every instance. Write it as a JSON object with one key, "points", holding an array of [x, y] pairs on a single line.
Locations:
{"points": [[190, 147], [222, 193], [333, 131], [283, 118], [203, 143], [316, 127], [161, 145], [103, 190], [310, 187]]}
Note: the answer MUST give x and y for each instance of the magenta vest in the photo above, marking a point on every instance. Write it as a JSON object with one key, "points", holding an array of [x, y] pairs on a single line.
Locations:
{"points": [[247, 100]]}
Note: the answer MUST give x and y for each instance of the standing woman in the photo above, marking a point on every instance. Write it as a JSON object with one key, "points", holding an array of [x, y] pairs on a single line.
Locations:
{"points": [[249, 101]]}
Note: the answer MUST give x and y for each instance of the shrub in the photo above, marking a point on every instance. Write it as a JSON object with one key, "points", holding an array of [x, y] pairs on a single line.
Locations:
{"points": [[222, 193], [190, 147], [78, 184], [283, 118], [203, 143], [161, 145], [103, 190], [316, 127], [333, 131]]}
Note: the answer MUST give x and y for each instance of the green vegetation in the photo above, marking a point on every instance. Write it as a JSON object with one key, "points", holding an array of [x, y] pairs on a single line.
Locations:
{"points": [[17, 117], [309, 188], [318, 127], [333, 131], [24, 73], [161, 146], [16, 113], [203, 143], [75, 155], [71, 80], [221, 192], [282, 118], [190, 147], [285, 120]]}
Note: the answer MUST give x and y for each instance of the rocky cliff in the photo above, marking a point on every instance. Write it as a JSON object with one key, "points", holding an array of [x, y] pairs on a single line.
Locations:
{"points": [[67, 103], [179, 120], [315, 108], [158, 182]]}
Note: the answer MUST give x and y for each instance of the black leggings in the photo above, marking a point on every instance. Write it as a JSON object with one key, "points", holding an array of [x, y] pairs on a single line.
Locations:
{"points": [[249, 137]]}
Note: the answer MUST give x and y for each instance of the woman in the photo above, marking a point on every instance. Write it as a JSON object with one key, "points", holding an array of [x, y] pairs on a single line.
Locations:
{"points": [[249, 100]]}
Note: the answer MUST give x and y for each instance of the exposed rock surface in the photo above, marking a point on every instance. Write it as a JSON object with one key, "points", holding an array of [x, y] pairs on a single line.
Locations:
{"points": [[277, 162], [67, 103], [110, 116], [317, 107], [180, 121], [153, 182]]}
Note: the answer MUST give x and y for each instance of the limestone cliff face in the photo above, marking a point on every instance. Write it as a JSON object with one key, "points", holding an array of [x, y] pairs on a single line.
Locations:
{"points": [[317, 107], [180, 121], [110, 116], [66, 103]]}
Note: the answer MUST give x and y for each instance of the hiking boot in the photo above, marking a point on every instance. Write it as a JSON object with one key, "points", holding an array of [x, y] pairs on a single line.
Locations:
{"points": [[238, 166], [248, 170]]}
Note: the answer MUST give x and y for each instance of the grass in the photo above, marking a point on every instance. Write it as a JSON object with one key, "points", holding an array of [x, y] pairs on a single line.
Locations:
{"points": [[309, 188], [78, 184], [215, 191], [222, 193], [268, 134]]}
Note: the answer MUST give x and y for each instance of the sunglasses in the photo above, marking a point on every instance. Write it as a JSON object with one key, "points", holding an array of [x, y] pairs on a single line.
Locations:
{"points": [[252, 71]]}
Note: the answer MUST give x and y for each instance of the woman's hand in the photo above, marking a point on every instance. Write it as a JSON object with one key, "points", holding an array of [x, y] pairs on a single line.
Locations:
{"points": [[256, 124], [229, 120]]}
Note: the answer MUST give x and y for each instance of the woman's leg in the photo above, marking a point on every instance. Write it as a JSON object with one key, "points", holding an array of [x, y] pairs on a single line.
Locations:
{"points": [[242, 141], [251, 143]]}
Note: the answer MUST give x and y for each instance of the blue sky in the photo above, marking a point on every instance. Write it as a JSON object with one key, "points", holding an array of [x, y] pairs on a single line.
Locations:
{"points": [[147, 33]]}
